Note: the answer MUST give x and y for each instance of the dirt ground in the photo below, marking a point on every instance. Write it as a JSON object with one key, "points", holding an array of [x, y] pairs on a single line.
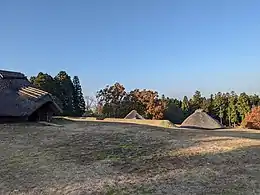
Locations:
{"points": [[110, 158]]}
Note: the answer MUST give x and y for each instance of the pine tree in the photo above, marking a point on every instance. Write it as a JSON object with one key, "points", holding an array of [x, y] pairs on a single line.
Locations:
{"points": [[44, 82], [32, 79], [79, 105], [211, 105], [254, 100], [65, 89], [185, 106], [197, 101], [206, 104], [219, 106], [243, 105], [232, 110]]}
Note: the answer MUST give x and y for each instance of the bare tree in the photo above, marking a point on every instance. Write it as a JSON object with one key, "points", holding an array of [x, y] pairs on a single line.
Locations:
{"points": [[90, 102]]}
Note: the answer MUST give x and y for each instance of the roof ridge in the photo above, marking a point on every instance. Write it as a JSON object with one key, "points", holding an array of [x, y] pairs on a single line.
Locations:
{"points": [[11, 74]]}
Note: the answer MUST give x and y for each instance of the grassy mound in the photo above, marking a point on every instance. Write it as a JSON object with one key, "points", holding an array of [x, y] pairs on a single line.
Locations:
{"points": [[159, 123]]}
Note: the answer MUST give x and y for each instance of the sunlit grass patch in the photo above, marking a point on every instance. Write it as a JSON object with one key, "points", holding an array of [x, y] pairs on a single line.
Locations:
{"points": [[213, 146]]}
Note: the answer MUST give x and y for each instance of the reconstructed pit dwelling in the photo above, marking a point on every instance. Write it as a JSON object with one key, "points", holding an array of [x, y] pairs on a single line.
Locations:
{"points": [[21, 101], [201, 120]]}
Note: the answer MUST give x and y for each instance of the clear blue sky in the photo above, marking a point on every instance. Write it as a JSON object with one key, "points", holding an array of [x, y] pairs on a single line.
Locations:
{"points": [[174, 47]]}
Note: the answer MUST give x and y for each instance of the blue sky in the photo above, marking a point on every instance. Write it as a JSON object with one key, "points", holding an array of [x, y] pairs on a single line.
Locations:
{"points": [[174, 47]]}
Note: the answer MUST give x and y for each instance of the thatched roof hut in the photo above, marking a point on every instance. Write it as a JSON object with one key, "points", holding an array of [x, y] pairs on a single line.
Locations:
{"points": [[20, 100], [134, 115], [200, 119]]}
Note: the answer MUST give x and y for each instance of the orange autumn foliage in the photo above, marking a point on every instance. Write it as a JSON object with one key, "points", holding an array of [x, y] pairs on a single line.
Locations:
{"points": [[252, 119]]}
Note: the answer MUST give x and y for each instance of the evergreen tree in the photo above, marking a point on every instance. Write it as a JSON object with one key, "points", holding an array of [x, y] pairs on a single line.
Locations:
{"points": [[211, 105], [79, 105], [185, 106], [232, 110], [225, 98], [177, 102], [206, 104], [254, 100], [173, 113], [197, 101], [66, 90], [219, 106], [32, 79], [44, 82], [243, 105]]}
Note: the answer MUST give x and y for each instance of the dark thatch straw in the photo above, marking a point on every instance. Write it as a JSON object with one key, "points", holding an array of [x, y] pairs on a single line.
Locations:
{"points": [[18, 98]]}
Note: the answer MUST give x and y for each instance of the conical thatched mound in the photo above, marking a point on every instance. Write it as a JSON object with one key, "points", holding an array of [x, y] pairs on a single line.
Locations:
{"points": [[200, 119], [134, 115]]}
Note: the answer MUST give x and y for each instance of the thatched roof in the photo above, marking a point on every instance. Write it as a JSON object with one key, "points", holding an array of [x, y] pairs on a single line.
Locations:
{"points": [[19, 98], [134, 115], [11, 75], [200, 119]]}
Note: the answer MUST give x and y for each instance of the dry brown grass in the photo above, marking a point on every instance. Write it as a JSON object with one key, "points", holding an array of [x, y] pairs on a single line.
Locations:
{"points": [[158, 123], [111, 158]]}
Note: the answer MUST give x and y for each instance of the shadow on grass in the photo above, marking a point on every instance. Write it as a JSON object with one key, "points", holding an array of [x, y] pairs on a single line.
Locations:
{"points": [[200, 128], [141, 156], [226, 133], [233, 172], [87, 148]]}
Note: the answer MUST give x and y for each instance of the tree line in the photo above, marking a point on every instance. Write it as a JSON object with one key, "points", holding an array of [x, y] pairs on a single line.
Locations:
{"points": [[114, 101], [229, 108], [66, 92]]}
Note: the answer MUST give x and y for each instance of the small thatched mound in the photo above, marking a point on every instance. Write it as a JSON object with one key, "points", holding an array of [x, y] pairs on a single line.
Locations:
{"points": [[134, 115], [200, 119]]}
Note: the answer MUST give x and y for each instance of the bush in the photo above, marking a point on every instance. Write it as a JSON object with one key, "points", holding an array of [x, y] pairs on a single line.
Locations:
{"points": [[100, 117], [89, 113], [174, 114], [252, 119]]}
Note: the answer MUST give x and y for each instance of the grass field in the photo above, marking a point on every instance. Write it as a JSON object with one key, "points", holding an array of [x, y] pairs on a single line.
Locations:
{"points": [[117, 158], [158, 123]]}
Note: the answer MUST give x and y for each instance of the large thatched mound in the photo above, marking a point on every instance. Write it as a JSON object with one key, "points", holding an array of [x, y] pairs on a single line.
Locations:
{"points": [[200, 119], [134, 115]]}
